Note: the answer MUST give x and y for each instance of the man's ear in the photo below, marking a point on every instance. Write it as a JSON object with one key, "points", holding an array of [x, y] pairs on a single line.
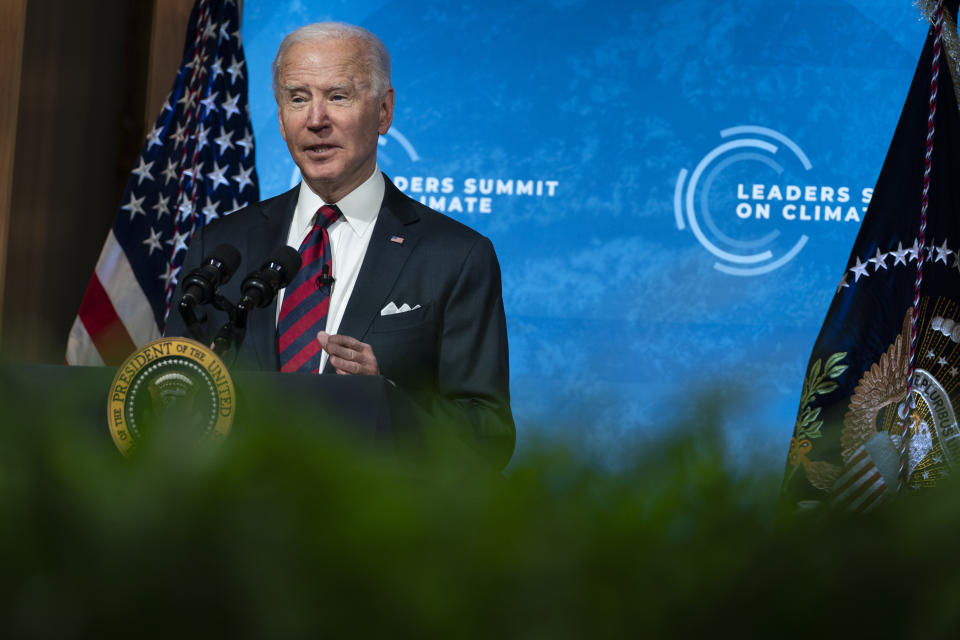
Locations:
{"points": [[283, 134], [386, 111]]}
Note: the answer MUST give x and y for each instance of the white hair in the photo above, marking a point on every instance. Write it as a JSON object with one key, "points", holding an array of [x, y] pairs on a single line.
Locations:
{"points": [[375, 60]]}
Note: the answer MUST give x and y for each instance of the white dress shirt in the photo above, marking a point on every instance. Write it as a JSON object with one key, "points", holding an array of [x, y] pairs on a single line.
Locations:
{"points": [[349, 237]]}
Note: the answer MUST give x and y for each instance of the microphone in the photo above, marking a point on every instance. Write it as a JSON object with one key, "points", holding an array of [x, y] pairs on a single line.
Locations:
{"points": [[260, 287], [325, 279], [201, 285]]}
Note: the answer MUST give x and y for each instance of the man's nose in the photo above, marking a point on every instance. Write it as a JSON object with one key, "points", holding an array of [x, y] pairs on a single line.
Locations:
{"points": [[317, 116]]}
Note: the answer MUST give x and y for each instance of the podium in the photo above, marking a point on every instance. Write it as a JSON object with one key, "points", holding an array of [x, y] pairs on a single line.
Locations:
{"points": [[366, 406]]}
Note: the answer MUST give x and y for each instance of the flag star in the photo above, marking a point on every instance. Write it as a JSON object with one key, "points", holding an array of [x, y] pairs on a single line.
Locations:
{"points": [[153, 242], [188, 99], [879, 261], [225, 30], [225, 140], [201, 137], [210, 30], [899, 256], [170, 173], [170, 277], [859, 269], [942, 361], [843, 282], [943, 252], [953, 371], [162, 207], [179, 241], [913, 252], [185, 207], [210, 102], [198, 169], [143, 171], [217, 176], [237, 206], [153, 138], [166, 104], [246, 142], [216, 69], [210, 210], [242, 178], [198, 59], [230, 105], [235, 70], [180, 135], [956, 260], [135, 206], [930, 354]]}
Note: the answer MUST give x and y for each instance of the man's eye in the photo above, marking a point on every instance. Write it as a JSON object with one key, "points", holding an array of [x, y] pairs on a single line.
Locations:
{"points": [[338, 97]]}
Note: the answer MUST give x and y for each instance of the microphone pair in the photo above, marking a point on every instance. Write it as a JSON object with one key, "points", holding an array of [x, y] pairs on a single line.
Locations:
{"points": [[258, 289]]}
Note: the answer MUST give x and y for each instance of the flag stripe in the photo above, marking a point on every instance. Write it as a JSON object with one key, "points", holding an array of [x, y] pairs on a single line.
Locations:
{"points": [[80, 347], [128, 299], [873, 499], [863, 490], [103, 325]]}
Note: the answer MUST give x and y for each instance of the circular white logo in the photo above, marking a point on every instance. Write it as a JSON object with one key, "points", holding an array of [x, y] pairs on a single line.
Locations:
{"points": [[741, 245]]}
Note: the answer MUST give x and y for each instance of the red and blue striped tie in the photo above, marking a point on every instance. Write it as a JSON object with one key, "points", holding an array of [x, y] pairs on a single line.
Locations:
{"points": [[305, 302]]}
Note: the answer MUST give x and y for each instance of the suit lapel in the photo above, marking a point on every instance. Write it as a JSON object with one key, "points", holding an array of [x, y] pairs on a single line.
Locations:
{"points": [[262, 239], [382, 263]]}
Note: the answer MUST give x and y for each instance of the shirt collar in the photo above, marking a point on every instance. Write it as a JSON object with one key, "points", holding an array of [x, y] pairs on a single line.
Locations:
{"points": [[360, 207]]}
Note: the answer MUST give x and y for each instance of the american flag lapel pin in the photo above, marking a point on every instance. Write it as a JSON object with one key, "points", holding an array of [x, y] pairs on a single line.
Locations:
{"points": [[397, 239]]}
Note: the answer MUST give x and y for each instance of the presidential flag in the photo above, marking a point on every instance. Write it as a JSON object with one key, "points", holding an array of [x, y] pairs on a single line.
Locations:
{"points": [[877, 411], [197, 164]]}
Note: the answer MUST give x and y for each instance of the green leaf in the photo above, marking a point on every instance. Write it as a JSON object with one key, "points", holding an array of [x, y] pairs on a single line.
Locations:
{"points": [[837, 371], [814, 371], [835, 358], [826, 387]]}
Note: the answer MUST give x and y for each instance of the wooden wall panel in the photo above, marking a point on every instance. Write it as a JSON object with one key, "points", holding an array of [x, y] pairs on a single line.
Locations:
{"points": [[12, 19], [167, 35], [79, 130]]}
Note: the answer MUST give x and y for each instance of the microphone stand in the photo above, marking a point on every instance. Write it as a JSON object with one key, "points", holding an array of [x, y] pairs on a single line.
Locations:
{"points": [[234, 330]]}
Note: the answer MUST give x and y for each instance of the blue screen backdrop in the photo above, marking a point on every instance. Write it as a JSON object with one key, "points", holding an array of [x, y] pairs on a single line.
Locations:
{"points": [[672, 189]]}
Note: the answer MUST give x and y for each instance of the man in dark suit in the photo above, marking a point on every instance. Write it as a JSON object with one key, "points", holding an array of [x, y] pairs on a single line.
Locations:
{"points": [[416, 296]]}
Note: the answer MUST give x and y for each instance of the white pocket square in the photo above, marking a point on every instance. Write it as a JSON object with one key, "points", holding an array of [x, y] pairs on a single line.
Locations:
{"points": [[392, 308]]}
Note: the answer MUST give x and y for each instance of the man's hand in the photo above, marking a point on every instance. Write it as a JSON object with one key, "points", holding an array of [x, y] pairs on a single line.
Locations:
{"points": [[348, 355]]}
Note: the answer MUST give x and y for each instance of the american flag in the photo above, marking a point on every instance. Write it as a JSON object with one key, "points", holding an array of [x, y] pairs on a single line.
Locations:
{"points": [[197, 164]]}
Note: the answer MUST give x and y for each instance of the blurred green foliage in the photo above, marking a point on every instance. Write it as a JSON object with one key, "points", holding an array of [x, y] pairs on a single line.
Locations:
{"points": [[285, 532]]}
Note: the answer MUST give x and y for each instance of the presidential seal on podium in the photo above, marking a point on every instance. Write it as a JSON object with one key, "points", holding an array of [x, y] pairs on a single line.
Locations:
{"points": [[171, 386]]}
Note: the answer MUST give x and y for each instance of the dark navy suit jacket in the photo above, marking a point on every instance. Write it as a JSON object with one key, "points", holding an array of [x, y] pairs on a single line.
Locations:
{"points": [[450, 355]]}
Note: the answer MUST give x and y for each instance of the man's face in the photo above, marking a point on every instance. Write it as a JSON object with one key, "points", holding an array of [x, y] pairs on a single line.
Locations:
{"points": [[329, 116]]}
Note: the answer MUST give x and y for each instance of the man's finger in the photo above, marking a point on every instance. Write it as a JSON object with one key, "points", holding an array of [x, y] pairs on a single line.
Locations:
{"points": [[347, 341], [335, 347]]}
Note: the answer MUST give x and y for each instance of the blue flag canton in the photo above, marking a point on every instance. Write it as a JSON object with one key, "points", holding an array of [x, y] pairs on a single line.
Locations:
{"points": [[197, 163]]}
